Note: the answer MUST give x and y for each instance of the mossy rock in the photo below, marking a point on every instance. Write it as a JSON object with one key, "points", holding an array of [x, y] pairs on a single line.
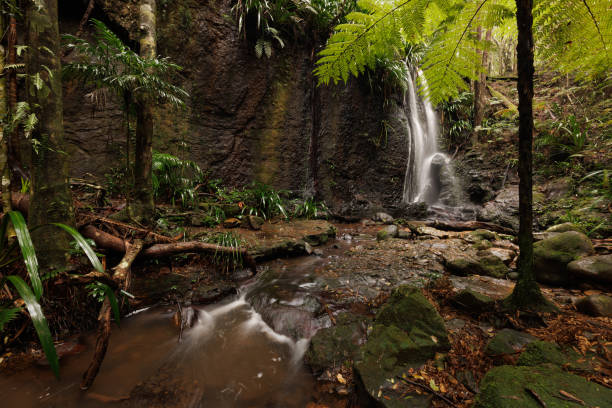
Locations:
{"points": [[410, 311], [551, 256], [333, 346], [506, 387], [481, 234], [389, 352], [486, 265], [593, 268], [565, 227], [473, 301], [595, 305], [540, 352], [508, 341], [390, 231]]}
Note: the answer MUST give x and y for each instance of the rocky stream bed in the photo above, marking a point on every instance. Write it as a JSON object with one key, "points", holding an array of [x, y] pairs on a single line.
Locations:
{"points": [[339, 315]]}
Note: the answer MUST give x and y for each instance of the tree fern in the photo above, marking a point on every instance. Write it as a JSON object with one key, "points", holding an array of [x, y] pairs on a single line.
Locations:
{"points": [[570, 34]]}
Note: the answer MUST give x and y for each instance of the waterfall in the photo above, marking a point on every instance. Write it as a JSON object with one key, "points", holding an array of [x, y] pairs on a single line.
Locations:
{"points": [[424, 163]]}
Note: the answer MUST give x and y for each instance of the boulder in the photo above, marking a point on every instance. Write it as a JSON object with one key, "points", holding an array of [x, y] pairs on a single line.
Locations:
{"points": [[408, 332], [595, 305], [486, 265], [253, 222], [508, 341], [507, 387], [594, 268], [551, 256], [410, 311], [390, 231], [504, 255]]}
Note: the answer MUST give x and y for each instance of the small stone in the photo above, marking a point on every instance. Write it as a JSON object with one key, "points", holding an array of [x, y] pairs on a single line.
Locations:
{"points": [[513, 275], [383, 217], [390, 231], [595, 305], [254, 222]]}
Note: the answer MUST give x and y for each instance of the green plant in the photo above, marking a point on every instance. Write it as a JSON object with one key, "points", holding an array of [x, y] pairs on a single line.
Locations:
{"points": [[309, 209], [31, 293], [457, 116], [176, 179], [228, 260], [263, 201]]}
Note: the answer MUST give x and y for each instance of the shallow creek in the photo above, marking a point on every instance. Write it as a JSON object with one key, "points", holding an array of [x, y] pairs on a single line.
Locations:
{"points": [[244, 351]]}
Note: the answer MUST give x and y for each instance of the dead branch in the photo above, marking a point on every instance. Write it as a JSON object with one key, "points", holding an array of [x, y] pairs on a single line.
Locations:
{"points": [[94, 218], [121, 276], [467, 226]]}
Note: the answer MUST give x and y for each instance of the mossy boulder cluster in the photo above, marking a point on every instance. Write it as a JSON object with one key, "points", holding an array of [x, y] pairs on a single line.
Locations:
{"points": [[551, 256], [406, 333]]}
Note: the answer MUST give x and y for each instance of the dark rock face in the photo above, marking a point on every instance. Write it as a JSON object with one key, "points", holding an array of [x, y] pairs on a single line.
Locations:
{"points": [[253, 119]]}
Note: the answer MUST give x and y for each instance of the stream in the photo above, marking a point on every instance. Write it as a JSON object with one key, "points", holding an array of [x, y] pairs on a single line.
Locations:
{"points": [[244, 351]]}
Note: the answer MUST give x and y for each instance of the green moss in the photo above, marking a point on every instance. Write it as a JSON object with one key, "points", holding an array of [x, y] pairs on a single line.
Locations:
{"points": [[506, 387], [410, 311], [540, 352]]}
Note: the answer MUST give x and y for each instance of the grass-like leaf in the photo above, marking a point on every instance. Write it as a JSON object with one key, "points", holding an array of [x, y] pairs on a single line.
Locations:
{"points": [[112, 300], [39, 320], [27, 250], [89, 252]]}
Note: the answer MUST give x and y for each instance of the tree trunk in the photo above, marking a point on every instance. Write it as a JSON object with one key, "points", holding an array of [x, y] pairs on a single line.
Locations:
{"points": [[480, 86], [51, 200], [526, 293], [142, 208], [6, 193]]}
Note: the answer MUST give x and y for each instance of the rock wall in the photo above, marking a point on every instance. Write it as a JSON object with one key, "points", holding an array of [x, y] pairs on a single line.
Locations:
{"points": [[252, 119]]}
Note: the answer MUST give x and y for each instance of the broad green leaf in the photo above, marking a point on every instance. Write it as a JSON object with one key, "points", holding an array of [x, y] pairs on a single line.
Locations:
{"points": [[28, 251], [91, 255], [39, 321]]}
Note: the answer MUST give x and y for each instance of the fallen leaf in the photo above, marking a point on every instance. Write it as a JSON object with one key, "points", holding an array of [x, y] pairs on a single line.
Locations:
{"points": [[340, 379]]}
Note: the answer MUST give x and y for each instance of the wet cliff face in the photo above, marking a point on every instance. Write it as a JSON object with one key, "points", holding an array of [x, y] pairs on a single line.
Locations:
{"points": [[254, 119]]}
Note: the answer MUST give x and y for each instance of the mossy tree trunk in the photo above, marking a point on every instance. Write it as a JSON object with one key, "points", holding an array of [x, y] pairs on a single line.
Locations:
{"points": [[51, 200], [143, 206], [4, 171], [526, 293]]}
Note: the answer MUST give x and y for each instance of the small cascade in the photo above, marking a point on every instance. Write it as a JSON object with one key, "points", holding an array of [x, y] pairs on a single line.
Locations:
{"points": [[427, 169]]}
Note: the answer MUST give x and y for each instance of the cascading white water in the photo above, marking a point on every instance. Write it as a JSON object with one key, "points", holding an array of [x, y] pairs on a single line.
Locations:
{"points": [[422, 145]]}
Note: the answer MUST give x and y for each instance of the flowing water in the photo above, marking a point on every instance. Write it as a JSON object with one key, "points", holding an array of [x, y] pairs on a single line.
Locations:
{"points": [[421, 182], [244, 352]]}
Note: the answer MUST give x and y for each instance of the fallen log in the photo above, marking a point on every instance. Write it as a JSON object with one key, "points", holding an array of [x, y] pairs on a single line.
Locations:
{"points": [[121, 277], [468, 226], [111, 242]]}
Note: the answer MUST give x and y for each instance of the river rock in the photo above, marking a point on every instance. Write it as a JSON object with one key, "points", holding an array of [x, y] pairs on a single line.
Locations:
{"points": [[486, 265], [390, 231], [594, 268], [507, 387], [508, 341], [503, 210], [408, 331], [333, 346], [253, 222], [504, 255], [383, 217], [595, 305], [551, 256]]}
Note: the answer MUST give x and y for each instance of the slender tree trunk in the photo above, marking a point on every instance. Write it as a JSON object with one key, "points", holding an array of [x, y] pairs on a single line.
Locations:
{"points": [[6, 193], [480, 86], [51, 200], [143, 206], [526, 293]]}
